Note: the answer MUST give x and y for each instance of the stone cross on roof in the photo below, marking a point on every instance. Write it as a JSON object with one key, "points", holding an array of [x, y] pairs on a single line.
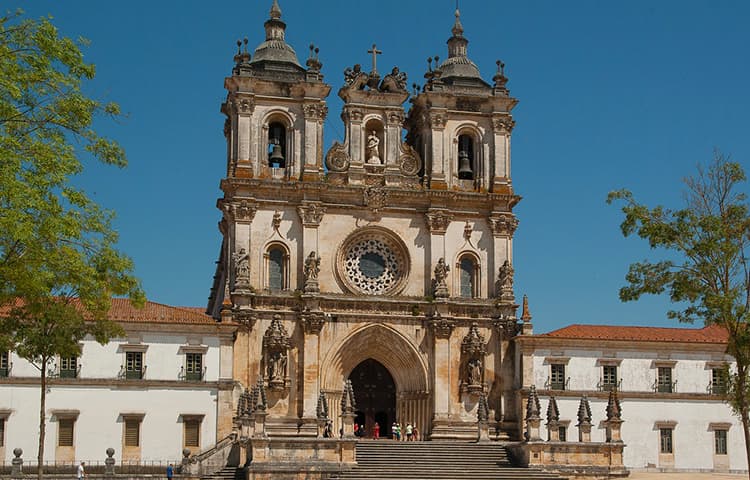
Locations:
{"points": [[375, 52]]}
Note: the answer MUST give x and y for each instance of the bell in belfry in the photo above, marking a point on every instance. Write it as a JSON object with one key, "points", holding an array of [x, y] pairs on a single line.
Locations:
{"points": [[464, 166], [276, 159]]}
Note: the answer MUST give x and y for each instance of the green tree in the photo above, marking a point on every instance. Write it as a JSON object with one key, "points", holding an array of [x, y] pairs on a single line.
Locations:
{"points": [[705, 269], [59, 266]]}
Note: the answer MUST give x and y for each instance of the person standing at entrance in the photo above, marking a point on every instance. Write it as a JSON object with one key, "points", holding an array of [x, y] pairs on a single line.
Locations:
{"points": [[409, 432], [81, 472], [376, 431]]}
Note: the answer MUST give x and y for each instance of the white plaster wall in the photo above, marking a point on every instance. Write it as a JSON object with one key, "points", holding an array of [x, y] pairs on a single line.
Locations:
{"points": [[162, 358], [637, 369], [99, 424]]}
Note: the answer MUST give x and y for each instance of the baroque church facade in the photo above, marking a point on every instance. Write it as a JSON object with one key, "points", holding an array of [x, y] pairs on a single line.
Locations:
{"points": [[388, 260], [372, 283]]}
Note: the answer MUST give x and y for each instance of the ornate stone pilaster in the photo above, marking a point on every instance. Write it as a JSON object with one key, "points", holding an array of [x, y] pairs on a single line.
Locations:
{"points": [[246, 318], [441, 327], [503, 224], [438, 221], [311, 213]]}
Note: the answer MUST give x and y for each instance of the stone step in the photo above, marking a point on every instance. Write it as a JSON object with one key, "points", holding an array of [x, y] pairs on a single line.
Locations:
{"points": [[391, 460]]}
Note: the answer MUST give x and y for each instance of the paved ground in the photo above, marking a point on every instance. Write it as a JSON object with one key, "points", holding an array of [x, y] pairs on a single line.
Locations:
{"points": [[684, 476]]}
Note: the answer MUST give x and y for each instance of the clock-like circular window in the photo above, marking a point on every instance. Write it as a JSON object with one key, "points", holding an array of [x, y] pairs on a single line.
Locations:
{"points": [[373, 261]]}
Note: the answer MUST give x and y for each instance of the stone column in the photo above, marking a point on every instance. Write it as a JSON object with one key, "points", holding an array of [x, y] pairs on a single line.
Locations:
{"points": [[310, 214], [312, 324], [315, 114], [502, 126], [442, 328], [437, 221], [243, 107], [239, 215], [441, 155], [503, 226]]}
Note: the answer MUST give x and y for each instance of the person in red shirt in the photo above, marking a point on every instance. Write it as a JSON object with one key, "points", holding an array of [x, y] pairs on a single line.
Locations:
{"points": [[376, 431]]}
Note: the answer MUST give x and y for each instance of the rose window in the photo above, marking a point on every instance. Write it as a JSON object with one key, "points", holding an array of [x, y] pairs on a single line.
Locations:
{"points": [[373, 263]]}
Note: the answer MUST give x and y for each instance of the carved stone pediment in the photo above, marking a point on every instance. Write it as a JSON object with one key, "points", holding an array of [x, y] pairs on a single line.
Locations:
{"points": [[276, 345], [473, 343]]}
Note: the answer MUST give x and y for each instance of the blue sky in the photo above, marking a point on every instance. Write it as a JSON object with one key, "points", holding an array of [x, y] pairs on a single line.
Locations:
{"points": [[612, 94]]}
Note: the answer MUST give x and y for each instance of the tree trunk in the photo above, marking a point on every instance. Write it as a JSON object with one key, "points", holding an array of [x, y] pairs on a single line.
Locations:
{"points": [[746, 431], [42, 423]]}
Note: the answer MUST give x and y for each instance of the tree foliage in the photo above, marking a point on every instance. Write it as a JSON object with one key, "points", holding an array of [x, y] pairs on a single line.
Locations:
{"points": [[59, 265], [704, 271]]}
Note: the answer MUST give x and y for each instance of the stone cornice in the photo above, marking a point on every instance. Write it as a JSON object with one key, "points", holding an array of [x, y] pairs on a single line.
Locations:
{"points": [[627, 395], [115, 383], [332, 197], [529, 342], [218, 329]]}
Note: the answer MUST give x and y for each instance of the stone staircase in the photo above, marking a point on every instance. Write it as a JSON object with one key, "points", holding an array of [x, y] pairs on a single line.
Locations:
{"points": [[227, 473], [390, 460]]}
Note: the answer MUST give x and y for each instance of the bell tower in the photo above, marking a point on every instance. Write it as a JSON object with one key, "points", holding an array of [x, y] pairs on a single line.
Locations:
{"points": [[275, 110], [461, 125]]}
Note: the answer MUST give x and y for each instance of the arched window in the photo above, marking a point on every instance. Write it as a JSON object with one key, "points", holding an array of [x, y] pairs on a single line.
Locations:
{"points": [[276, 268], [466, 163], [277, 152], [468, 272]]}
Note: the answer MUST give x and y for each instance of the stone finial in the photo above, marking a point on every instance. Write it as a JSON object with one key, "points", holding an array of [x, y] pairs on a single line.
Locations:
{"points": [[525, 313], [348, 402], [16, 470], [500, 79], [259, 396], [553, 413], [275, 10], [614, 411], [321, 410], [483, 411], [584, 411], [244, 404], [313, 62], [109, 463], [458, 29], [533, 408]]}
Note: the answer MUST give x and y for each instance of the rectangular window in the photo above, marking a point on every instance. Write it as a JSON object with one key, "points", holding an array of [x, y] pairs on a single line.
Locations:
{"points": [[132, 432], [2, 432], [720, 442], [664, 380], [665, 440], [563, 432], [557, 376], [192, 432], [718, 381], [68, 367], [193, 366], [134, 365], [609, 377], [4, 364], [65, 432]]}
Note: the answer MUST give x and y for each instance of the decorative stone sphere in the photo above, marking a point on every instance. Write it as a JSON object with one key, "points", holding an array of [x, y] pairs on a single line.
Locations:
{"points": [[17, 452], [110, 451], [185, 452]]}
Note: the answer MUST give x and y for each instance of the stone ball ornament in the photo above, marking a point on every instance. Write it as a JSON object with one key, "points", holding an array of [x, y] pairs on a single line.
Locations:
{"points": [[373, 261]]}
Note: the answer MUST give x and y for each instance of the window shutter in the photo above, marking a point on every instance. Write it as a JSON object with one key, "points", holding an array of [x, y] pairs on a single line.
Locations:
{"points": [[2, 432], [132, 433], [192, 433], [65, 432]]}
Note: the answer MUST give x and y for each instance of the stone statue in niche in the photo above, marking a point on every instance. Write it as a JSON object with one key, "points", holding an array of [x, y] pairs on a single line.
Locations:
{"points": [[242, 268], [373, 144], [311, 271], [277, 367], [474, 371]]}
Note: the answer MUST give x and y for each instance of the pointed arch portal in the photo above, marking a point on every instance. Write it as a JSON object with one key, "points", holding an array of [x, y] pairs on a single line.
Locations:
{"points": [[380, 355]]}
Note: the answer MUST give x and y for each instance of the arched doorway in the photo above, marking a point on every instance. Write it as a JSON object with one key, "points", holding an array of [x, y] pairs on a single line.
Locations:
{"points": [[375, 393]]}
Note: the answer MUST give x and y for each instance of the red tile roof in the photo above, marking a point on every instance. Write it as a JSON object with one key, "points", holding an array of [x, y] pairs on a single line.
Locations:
{"points": [[122, 311], [710, 334], [152, 312]]}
